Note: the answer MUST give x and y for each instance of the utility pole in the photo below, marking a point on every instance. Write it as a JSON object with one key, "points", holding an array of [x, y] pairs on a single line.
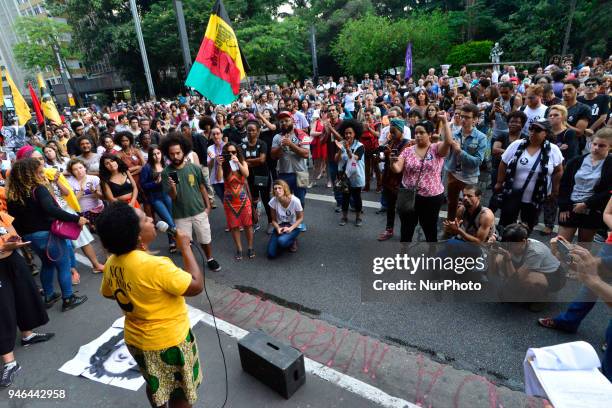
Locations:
{"points": [[180, 19], [143, 50], [313, 50]]}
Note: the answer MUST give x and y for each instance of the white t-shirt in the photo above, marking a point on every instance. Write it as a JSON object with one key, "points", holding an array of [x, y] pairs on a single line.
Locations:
{"points": [[525, 164], [533, 115], [289, 214]]}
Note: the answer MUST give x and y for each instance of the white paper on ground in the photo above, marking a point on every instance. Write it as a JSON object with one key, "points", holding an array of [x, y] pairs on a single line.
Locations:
{"points": [[567, 374], [107, 360]]}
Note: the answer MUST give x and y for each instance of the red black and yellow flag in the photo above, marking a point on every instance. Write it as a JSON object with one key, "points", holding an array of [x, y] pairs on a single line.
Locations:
{"points": [[218, 68]]}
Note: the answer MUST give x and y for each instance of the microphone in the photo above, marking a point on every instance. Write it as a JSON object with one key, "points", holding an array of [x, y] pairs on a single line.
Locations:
{"points": [[164, 227]]}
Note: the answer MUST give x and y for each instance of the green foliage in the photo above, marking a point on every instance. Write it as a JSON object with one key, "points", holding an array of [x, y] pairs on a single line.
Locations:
{"points": [[469, 52], [277, 47], [37, 34], [375, 43]]}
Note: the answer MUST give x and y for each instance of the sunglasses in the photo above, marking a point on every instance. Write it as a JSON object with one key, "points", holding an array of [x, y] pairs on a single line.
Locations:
{"points": [[232, 151], [591, 85]]}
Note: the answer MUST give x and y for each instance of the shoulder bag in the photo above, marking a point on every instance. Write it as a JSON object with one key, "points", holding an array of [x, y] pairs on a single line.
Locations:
{"points": [[406, 196]]}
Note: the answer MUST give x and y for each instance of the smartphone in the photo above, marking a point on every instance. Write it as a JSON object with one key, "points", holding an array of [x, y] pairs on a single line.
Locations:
{"points": [[564, 250], [174, 176]]}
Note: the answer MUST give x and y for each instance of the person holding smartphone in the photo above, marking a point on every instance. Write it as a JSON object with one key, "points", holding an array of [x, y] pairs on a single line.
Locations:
{"points": [[20, 301]]}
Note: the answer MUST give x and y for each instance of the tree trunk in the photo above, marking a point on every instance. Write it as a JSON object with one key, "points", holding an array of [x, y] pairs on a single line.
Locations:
{"points": [[568, 29]]}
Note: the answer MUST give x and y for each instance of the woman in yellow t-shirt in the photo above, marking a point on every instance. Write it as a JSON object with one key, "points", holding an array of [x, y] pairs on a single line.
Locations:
{"points": [[150, 291]]}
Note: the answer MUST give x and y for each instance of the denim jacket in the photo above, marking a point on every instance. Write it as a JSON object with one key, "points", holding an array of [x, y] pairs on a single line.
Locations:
{"points": [[474, 149]]}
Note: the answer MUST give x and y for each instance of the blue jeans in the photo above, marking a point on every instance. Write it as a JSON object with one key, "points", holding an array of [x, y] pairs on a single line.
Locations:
{"points": [[332, 170], [291, 179], [162, 205], [279, 242], [60, 252], [577, 310], [219, 190], [72, 254]]}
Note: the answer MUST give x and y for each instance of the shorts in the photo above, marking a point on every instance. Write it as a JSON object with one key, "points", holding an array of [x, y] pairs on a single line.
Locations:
{"points": [[174, 372], [20, 302], [198, 223], [593, 220]]}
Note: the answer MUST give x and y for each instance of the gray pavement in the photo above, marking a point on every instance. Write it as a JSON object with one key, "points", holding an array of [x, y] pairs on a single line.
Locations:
{"points": [[424, 353]]}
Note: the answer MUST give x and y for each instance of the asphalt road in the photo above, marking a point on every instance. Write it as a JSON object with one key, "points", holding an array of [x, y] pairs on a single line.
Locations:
{"points": [[487, 338]]}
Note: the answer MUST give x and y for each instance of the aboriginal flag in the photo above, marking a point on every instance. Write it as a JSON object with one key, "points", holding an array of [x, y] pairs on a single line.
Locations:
{"points": [[218, 68]]}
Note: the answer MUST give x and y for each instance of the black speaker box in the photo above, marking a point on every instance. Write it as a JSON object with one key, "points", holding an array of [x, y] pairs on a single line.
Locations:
{"points": [[279, 366]]}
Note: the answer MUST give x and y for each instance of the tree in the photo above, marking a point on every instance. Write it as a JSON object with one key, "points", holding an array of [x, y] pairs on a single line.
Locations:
{"points": [[37, 35], [375, 43], [469, 52], [277, 47]]}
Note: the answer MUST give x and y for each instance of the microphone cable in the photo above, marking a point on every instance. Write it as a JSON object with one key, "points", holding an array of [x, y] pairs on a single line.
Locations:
{"points": [[212, 312]]}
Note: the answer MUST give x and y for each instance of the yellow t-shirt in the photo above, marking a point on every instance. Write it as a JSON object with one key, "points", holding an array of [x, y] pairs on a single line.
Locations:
{"points": [[149, 291]]}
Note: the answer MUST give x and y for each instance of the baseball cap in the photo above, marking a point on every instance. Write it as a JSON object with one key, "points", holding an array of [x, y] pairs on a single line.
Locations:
{"points": [[543, 124], [283, 114]]}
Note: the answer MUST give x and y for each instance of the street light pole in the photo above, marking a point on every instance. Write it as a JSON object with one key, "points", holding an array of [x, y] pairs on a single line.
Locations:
{"points": [[180, 19], [143, 50], [315, 65]]}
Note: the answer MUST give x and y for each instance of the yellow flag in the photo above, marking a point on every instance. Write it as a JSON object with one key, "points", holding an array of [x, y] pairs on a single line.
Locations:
{"points": [[21, 107], [41, 81], [47, 104]]}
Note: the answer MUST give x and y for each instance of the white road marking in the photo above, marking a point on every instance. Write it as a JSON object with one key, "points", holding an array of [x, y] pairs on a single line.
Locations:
{"points": [[374, 204], [312, 367]]}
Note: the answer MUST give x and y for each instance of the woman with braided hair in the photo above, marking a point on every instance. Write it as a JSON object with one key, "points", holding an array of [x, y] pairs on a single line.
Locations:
{"points": [[529, 173]]}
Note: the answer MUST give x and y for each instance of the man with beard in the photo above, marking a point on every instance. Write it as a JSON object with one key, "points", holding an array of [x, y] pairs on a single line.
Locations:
{"points": [[184, 183], [237, 133], [578, 114], [473, 226], [330, 133], [291, 148]]}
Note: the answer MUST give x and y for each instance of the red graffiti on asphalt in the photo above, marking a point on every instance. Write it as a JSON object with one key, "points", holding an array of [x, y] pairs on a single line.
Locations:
{"points": [[337, 348]]}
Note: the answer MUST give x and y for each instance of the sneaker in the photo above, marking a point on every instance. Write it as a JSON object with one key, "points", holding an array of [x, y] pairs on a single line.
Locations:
{"points": [[381, 210], [270, 229], [329, 184], [8, 374], [338, 209], [358, 222], [213, 265], [293, 247], [72, 302], [37, 338], [342, 222], [256, 227], [50, 301], [303, 227]]}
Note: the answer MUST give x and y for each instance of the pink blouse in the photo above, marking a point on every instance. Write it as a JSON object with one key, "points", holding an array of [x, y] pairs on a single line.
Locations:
{"points": [[430, 183]]}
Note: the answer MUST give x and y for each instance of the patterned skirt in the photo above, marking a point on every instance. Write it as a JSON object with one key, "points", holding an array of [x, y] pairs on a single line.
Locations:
{"points": [[171, 373]]}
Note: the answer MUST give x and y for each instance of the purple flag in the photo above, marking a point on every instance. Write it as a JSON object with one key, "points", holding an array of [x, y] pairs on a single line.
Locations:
{"points": [[408, 72]]}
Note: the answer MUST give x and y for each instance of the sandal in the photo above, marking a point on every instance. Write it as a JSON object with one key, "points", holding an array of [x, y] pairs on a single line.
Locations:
{"points": [[385, 235], [251, 253], [550, 323], [238, 255]]}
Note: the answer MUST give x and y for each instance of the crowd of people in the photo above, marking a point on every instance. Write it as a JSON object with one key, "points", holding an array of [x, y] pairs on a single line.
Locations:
{"points": [[539, 139]]}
